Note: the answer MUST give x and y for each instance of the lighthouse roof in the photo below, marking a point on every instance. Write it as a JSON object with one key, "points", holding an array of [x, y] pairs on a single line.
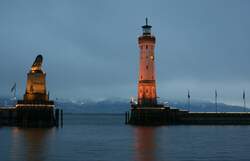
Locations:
{"points": [[146, 28]]}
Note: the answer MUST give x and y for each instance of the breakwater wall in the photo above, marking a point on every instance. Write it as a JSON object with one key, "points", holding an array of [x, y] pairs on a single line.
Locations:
{"points": [[167, 116], [30, 117]]}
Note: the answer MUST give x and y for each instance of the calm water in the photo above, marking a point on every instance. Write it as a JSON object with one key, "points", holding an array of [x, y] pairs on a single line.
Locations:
{"points": [[106, 138]]}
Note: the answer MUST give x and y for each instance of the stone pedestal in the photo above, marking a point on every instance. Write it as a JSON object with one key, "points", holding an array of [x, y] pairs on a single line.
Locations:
{"points": [[36, 109], [36, 86]]}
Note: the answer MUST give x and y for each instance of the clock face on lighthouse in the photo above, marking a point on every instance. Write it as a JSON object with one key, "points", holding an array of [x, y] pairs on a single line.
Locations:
{"points": [[152, 57]]}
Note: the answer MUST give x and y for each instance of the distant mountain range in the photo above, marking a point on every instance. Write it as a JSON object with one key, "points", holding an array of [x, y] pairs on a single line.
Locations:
{"points": [[117, 105]]}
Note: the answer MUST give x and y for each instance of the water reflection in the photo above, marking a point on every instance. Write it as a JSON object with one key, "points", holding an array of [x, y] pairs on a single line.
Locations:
{"points": [[30, 144], [145, 144]]}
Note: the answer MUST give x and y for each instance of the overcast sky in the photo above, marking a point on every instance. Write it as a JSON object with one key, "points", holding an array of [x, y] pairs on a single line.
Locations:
{"points": [[90, 47]]}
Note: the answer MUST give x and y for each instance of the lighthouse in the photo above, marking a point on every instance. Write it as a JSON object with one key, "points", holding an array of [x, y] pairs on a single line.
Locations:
{"points": [[148, 112], [147, 96]]}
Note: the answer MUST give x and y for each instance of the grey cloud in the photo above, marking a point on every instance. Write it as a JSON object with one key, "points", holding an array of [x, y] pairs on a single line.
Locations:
{"points": [[90, 47]]}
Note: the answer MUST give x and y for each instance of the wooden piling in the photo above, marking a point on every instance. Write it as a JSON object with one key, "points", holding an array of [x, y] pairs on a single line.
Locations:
{"points": [[57, 117], [128, 117], [125, 117], [61, 118]]}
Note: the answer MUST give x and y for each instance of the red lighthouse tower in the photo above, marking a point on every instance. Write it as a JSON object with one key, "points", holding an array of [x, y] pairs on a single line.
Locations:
{"points": [[146, 85]]}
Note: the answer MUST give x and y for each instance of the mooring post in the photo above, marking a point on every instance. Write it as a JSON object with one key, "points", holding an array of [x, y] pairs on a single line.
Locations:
{"points": [[128, 117], [61, 118], [126, 121], [57, 117], [9, 116]]}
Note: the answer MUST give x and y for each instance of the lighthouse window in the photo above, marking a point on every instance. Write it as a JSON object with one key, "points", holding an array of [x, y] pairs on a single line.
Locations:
{"points": [[146, 46], [147, 67]]}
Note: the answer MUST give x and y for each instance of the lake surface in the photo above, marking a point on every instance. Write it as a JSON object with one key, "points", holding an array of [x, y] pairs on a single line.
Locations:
{"points": [[104, 137]]}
